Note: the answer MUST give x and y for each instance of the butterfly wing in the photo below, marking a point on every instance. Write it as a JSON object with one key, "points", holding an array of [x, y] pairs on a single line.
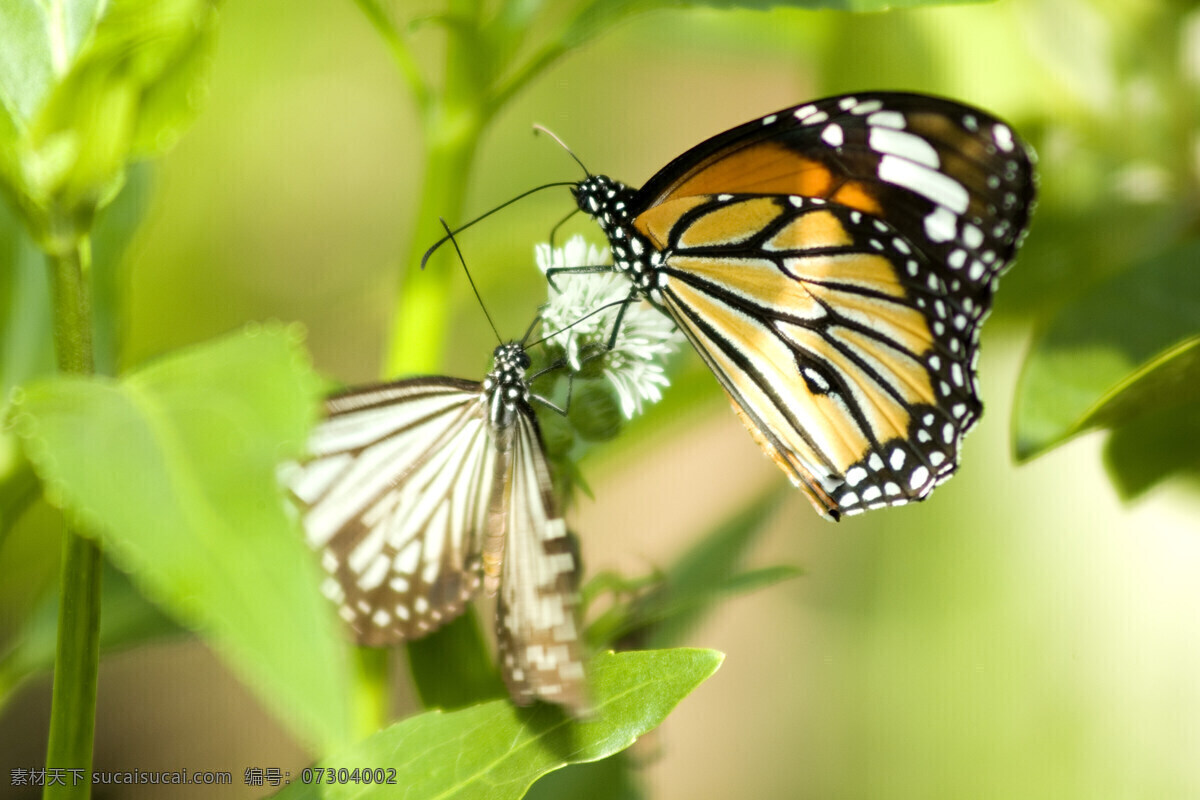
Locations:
{"points": [[537, 610], [846, 368], [832, 264], [897, 155], [396, 498]]}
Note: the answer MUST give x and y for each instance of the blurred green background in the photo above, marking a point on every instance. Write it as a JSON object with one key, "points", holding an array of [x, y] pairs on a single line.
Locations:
{"points": [[1022, 634]]}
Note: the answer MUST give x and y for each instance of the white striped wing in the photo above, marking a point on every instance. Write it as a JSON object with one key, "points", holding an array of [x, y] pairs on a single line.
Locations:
{"points": [[537, 624], [407, 495], [396, 498]]}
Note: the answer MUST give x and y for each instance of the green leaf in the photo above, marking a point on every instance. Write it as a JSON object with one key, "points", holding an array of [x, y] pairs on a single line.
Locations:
{"points": [[611, 778], [26, 343], [1124, 349], [702, 577], [174, 469], [115, 228], [1145, 452], [85, 87], [18, 485], [496, 750], [452, 667], [30, 565], [41, 41]]}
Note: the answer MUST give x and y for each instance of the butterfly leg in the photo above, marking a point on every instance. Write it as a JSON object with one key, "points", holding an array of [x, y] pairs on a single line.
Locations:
{"points": [[552, 271], [612, 338], [557, 365], [559, 224], [533, 325]]}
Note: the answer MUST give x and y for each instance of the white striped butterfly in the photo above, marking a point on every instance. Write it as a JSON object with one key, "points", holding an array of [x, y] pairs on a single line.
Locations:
{"points": [[832, 263], [419, 491]]}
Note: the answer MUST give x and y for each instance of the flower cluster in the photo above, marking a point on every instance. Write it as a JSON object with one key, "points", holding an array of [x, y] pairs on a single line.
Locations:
{"points": [[634, 365]]}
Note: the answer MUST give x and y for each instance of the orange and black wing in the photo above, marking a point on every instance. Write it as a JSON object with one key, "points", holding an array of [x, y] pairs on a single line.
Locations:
{"points": [[832, 264], [835, 339], [955, 181]]}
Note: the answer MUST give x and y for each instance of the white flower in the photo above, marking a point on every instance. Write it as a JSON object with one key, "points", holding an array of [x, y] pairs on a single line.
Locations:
{"points": [[646, 338]]}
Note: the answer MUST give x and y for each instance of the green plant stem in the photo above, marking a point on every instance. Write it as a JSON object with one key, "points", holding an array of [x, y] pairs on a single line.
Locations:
{"points": [[77, 656], [453, 124], [423, 306], [372, 698]]}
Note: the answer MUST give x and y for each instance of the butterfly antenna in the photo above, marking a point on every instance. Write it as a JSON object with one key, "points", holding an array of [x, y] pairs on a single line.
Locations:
{"points": [[543, 129], [450, 234], [474, 288]]}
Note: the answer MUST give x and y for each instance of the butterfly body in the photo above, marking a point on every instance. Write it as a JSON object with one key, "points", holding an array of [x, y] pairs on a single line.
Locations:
{"points": [[421, 491], [832, 264]]}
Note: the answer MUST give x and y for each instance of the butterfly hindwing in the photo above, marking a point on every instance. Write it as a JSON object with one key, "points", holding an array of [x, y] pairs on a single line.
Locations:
{"points": [[541, 654], [824, 341]]}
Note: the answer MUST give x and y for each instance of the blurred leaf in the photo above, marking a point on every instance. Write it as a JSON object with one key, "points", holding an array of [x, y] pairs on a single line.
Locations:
{"points": [[692, 391], [1123, 349], [557, 434], [1168, 380], [174, 468], [597, 17], [127, 619], [595, 411], [496, 750], [87, 86], [452, 667], [26, 342], [40, 42], [607, 779], [18, 484], [686, 591], [30, 554], [115, 228], [1150, 449]]}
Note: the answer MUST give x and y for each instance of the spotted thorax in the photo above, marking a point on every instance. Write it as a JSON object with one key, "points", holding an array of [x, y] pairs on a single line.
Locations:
{"points": [[646, 337]]}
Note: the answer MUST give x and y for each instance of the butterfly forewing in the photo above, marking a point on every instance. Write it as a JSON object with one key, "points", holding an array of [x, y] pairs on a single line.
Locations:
{"points": [[393, 498], [418, 491], [832, 263]]}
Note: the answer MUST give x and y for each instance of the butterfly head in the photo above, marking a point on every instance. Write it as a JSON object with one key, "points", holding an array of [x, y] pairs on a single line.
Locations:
{"points": [[605, 200], [506, 381]]}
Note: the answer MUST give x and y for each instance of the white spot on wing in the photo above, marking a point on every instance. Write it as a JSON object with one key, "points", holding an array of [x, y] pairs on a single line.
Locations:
{"points": [[1003, 137], [904, 145], [918, 477], [939, 225], [887, 119], [929, 183]]}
